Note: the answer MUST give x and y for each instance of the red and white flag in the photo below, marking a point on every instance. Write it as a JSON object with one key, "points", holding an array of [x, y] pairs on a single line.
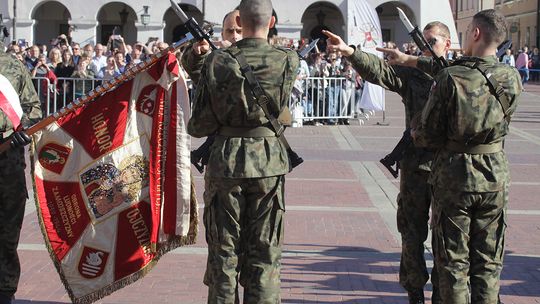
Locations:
{"points": [[113, 184], [365, 30], [9, 102]]}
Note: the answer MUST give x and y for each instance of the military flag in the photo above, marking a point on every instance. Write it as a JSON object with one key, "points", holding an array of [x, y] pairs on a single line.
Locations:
{"points": [[10, 103], [365, 31], [112, 183]]}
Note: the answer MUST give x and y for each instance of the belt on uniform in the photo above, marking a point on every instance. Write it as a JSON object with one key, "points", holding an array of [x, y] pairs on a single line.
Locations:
{"points": [[246, 132], [476, 149]]}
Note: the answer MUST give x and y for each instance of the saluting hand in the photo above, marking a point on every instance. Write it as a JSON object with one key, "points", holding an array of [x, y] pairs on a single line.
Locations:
{"points": [[335, 43]]}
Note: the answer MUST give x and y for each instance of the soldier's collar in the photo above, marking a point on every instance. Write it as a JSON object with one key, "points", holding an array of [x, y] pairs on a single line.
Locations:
{"points": [[476, 60], [252, 42]]}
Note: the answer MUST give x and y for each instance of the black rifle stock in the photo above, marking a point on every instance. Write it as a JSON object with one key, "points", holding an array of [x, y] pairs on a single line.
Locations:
{"points": [[391, 161], [201, 155]]}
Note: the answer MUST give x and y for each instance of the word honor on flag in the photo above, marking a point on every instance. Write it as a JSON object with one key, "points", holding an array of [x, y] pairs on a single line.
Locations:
{"points": [[113, 184]]}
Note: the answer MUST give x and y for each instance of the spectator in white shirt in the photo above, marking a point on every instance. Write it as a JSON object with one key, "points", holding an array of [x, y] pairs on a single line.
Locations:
{"points": [[508, 58], [99, 60]]}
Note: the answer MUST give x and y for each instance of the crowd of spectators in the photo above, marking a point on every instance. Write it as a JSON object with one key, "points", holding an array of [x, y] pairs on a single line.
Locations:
{"points": [[63, 58], [327, 85], [526, 61]]}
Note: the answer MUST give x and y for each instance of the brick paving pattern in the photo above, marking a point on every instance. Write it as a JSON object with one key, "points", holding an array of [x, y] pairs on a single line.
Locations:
{"points": [[341, 243]]}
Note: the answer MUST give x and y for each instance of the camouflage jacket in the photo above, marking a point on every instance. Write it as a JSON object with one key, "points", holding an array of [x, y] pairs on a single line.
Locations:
{"points": [[21, 81], [224, 98], [461, 109], [411, 84]]}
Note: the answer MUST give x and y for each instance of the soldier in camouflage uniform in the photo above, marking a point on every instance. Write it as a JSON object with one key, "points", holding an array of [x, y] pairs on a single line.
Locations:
{"points": [[244, 181], [193, 58], [13, 193], [414, 198], [466, 119]]}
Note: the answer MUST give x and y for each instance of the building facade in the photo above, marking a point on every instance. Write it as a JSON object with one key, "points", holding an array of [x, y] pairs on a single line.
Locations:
{"points": [[522, 17], [38, 21]]}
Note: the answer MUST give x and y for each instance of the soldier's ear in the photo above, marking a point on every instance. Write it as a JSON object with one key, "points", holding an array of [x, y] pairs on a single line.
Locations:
{"points": [[238, 21], [272, 22]]}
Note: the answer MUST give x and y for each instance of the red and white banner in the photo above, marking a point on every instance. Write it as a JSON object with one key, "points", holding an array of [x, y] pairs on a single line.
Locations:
{"points": [[365, 30], [113, 184], [10, 103]]}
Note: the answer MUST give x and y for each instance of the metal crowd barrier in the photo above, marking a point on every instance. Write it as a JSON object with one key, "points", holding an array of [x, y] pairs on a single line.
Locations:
{"points": [[324, 98], [313, 98], [56, 95]]}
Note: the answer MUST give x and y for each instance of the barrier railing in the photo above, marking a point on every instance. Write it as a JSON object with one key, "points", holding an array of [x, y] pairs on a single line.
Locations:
{"points": [[326, 98]]}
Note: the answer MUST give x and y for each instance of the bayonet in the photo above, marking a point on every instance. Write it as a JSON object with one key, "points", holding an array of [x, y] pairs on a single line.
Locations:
{"points": [[420, 40], [307, 49], [192, 26], [405, 20]]}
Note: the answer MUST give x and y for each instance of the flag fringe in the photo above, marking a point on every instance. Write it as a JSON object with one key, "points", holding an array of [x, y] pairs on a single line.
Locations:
{"points": [[171, 243]]}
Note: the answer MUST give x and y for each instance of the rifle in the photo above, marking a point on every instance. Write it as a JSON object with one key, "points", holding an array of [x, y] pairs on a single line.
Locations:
{"points": [[397, 154], [391, 160]]}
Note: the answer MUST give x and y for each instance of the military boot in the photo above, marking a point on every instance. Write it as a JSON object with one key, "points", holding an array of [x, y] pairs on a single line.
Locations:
{"points": [[416, 296]]}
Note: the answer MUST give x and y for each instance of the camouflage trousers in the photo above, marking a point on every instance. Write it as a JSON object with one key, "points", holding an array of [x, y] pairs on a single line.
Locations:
{"points": [[13, 196], [414, 200], [468, 234], [244, 225]]}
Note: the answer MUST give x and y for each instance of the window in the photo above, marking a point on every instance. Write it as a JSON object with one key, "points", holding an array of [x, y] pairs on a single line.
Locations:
{"points": [[460, 36]]}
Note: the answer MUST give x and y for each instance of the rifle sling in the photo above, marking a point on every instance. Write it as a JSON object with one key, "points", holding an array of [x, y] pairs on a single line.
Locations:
{"points": [[260, 96], [494, 87]]}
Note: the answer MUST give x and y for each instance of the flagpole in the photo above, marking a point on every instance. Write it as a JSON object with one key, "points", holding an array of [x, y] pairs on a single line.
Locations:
{"points": [[101, 90]]}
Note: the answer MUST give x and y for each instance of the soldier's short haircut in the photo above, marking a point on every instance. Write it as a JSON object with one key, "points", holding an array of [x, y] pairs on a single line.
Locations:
{"points": [[443, 29], [255, 13], [492, 24], [231, 13]]}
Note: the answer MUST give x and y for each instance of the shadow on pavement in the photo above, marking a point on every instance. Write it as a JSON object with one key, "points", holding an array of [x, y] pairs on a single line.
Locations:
{"points": [[341, 275], [523, 272]]}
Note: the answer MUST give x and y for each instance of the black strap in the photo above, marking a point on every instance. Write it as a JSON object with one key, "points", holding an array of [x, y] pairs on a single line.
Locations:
{"points": [[260, 96], [496, 89], [494, 86]]}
